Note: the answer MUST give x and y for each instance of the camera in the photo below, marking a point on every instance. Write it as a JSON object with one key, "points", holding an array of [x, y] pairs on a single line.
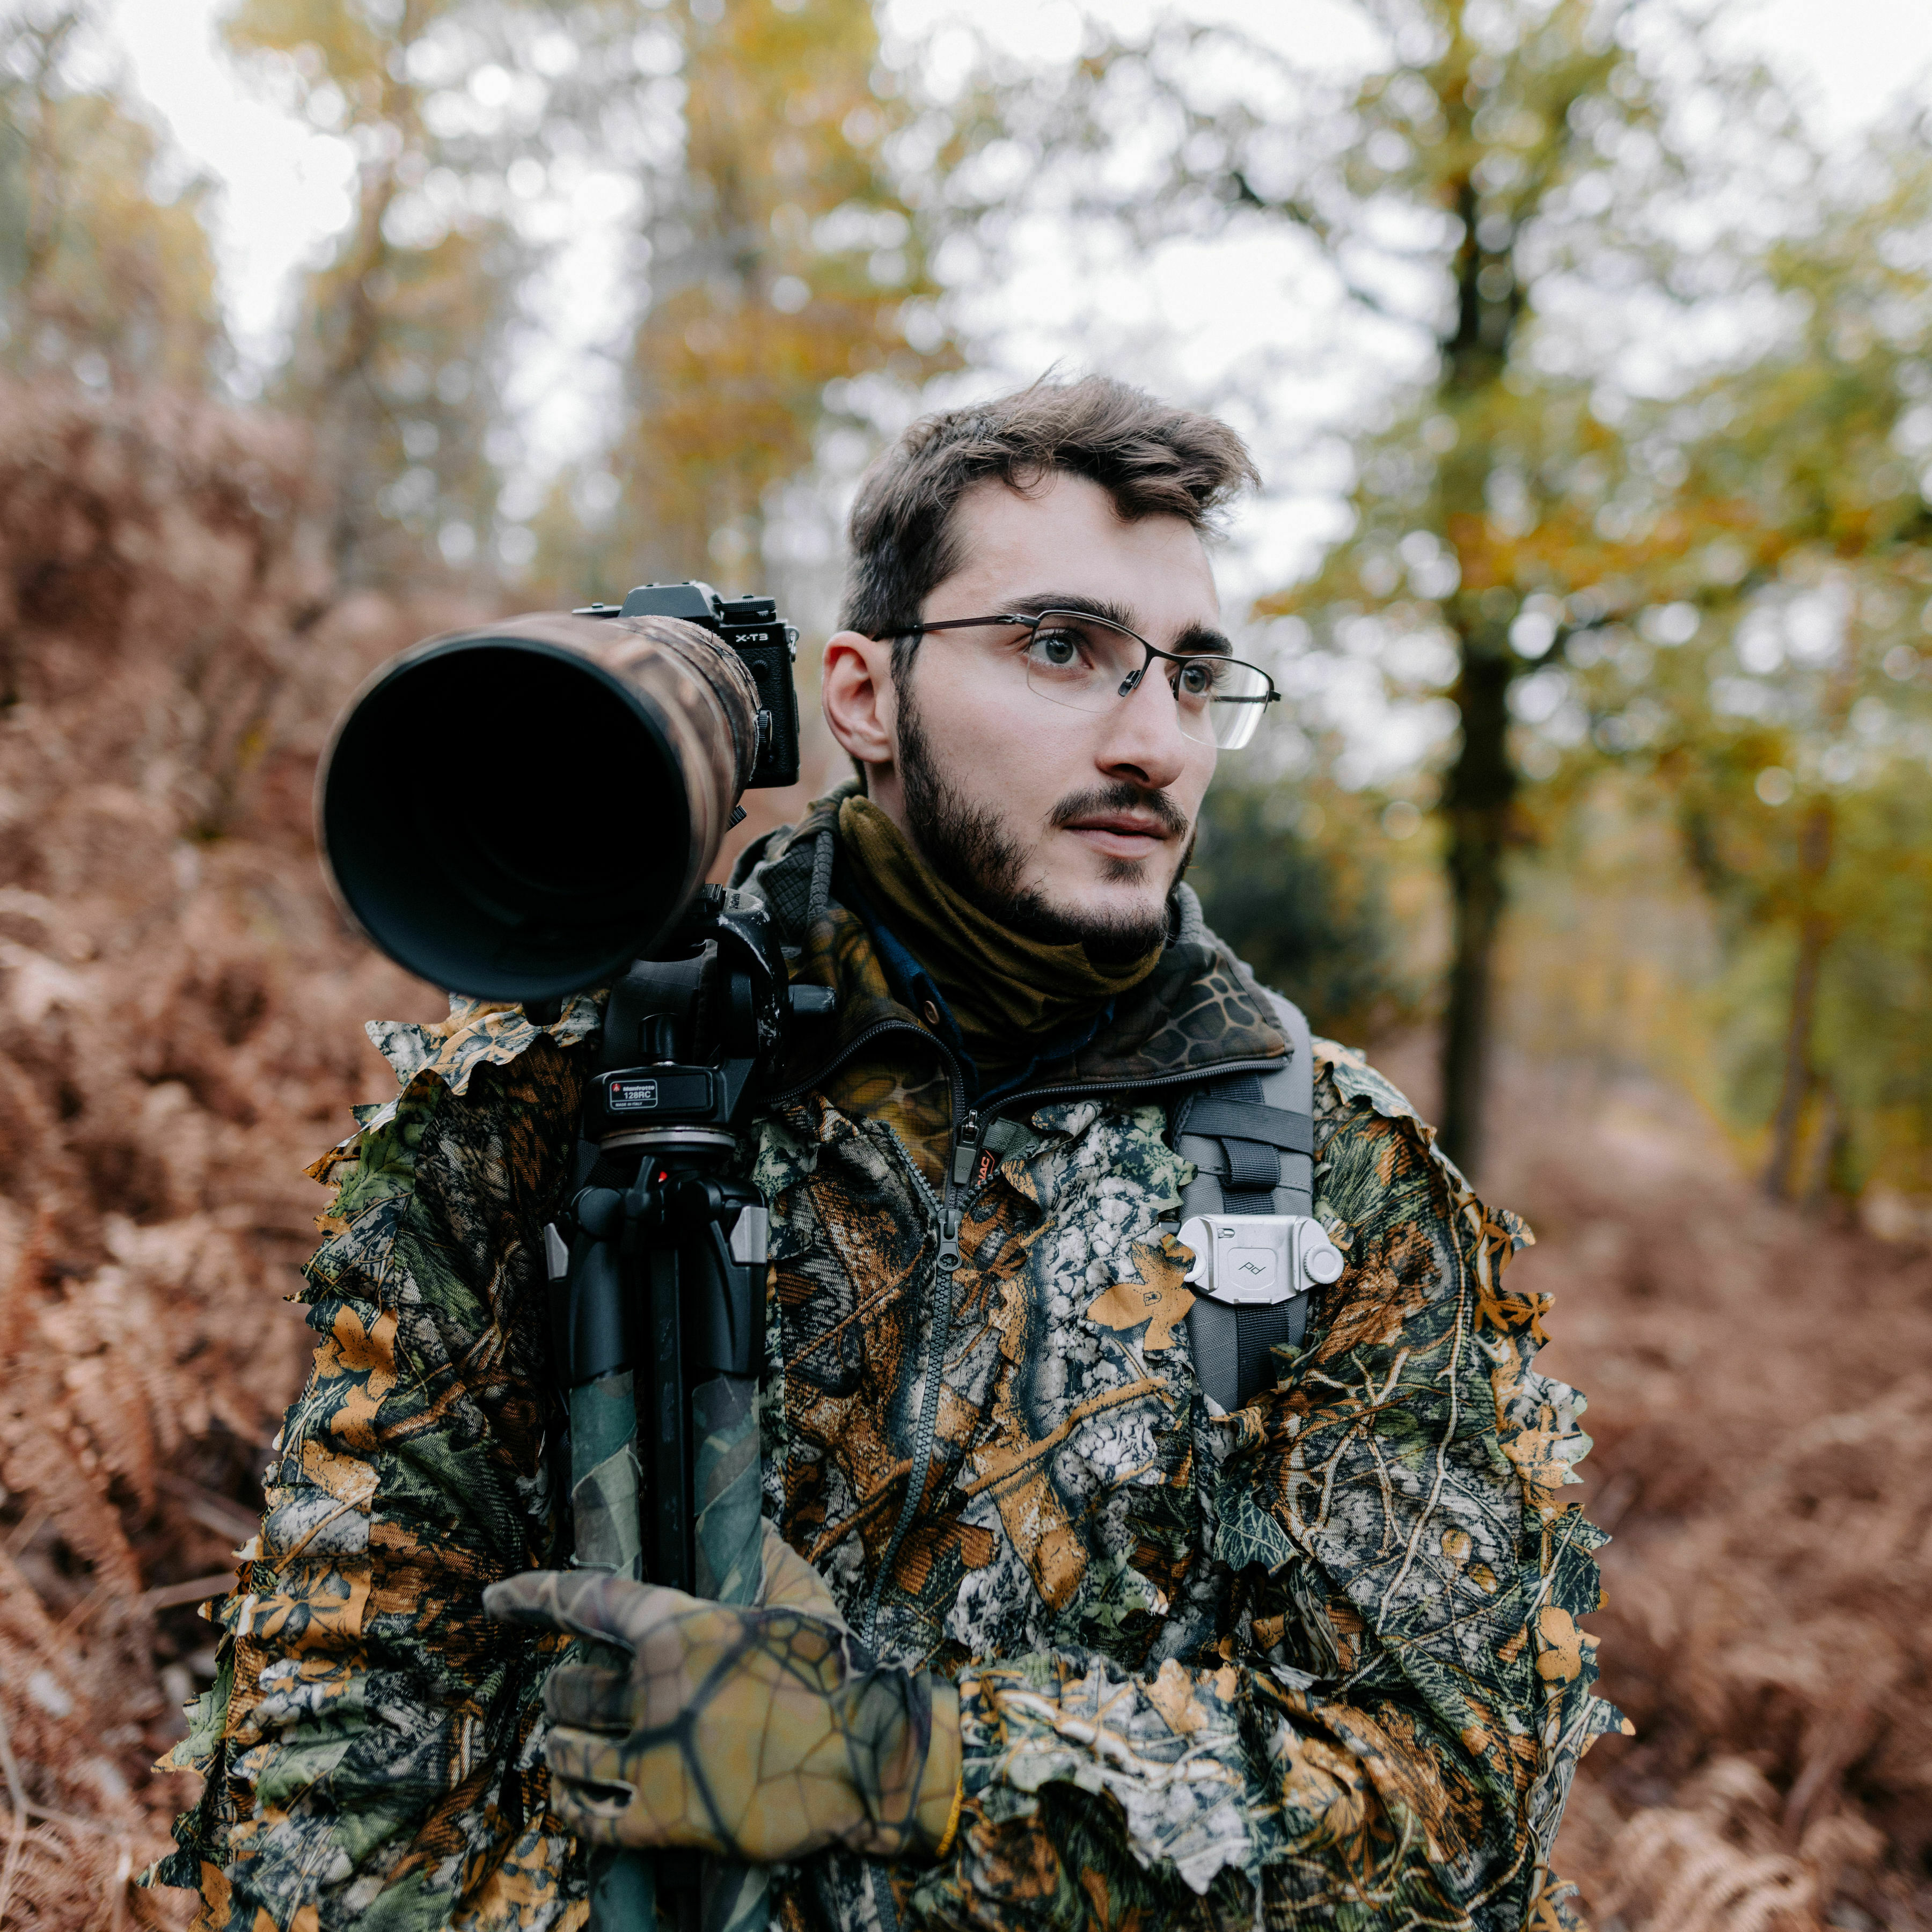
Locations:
{"points": [[752, 627], [520, 811]]}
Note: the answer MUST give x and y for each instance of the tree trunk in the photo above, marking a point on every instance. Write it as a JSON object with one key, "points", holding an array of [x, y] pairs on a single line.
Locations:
{"points": [[1477, 796], [1814, 935], [1794, 1085], [1480, 789]]}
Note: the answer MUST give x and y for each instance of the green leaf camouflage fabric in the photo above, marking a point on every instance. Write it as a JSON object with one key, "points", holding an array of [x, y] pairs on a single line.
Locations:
{"points": [[1365, 1700], [1316, 1663], [368, 1745]]}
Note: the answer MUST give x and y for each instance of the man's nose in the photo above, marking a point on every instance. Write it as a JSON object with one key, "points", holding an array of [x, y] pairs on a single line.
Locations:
{"points": [[1142, 740]]}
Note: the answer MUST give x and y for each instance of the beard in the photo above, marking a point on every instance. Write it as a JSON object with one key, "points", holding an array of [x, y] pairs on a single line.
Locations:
{"points": [[967, 845]]}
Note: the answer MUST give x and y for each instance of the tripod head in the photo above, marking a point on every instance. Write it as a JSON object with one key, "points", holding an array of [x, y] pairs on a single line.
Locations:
{"points": [[686, 1033]]}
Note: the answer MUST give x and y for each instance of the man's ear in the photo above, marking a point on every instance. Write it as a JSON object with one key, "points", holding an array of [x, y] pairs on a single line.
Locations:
{"points": [[860, 705]]}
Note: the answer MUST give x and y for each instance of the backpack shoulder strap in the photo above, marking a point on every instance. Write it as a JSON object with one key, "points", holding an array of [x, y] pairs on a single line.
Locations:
{"points": [[1251, 1137], [1253, 1134]]}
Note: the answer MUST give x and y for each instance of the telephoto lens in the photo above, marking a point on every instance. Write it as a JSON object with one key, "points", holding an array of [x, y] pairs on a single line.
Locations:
{"points": [[520, 811]]}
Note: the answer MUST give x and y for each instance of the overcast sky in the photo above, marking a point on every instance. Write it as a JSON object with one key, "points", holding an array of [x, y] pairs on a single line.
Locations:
{"points": [[284, 188]]}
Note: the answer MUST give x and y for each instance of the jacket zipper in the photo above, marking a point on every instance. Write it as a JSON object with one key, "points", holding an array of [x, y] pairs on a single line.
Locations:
{"points": [[964, 1144], [963, 1134], [962, 1139], [862, 1037]]}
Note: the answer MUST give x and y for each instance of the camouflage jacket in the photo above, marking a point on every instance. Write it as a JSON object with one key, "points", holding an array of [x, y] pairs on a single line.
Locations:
{"points": [[1315, 1662]]}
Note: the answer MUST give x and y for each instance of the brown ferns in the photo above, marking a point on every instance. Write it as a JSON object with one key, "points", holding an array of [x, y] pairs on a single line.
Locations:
{"points": [[179, 1033]]}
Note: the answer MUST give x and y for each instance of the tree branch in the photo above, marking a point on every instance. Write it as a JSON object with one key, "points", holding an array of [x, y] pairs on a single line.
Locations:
{"points": [[1245, 195]]}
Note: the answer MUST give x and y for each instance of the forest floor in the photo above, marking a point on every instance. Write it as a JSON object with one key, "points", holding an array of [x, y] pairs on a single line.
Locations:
{"points": [[1759, 1382], [180, 1014]]}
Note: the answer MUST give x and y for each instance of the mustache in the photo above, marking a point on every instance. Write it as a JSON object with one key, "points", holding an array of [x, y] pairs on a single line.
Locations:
{"points": [[1121, 795]]}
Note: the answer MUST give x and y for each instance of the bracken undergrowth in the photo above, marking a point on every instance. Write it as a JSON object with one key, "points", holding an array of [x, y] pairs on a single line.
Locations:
{"points": [[179, 1010]]}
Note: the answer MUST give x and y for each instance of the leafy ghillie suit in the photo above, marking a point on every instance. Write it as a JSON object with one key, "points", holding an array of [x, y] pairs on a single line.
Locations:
{"points": [[1316, 1663]]}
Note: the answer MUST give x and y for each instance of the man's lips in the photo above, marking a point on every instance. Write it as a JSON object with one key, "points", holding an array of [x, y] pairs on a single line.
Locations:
{"points": [[1121, 835]]}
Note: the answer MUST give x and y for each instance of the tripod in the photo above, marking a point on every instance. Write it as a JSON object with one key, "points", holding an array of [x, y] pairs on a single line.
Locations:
{"points": [[657, 1273]]}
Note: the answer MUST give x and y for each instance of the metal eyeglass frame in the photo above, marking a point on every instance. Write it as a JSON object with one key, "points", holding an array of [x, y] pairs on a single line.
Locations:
{"points": [[1031, 625]]}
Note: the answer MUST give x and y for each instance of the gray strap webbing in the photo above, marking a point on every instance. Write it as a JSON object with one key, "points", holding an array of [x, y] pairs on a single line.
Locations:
{"points": [[1222, 1119], [1251, 1136]]}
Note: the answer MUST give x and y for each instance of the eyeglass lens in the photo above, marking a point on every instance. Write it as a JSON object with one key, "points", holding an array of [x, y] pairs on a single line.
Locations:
{"points": [[1088, 664]]}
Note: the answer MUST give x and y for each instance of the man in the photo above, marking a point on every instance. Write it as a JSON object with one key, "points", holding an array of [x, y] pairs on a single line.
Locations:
{"points": [[1053, 1635]]}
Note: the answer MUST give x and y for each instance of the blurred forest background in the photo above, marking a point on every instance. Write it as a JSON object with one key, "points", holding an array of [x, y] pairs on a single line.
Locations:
{"points": [[1600, 811]]}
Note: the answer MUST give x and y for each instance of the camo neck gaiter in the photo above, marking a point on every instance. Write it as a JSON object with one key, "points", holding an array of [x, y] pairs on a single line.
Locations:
{"points": [[1008, 993]]}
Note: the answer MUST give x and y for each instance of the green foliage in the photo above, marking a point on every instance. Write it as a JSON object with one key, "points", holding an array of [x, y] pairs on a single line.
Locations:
{"points": [[401, 347], [1783, 702], [1650, 502], [783, 265], [1300, 889], [106, 271]]}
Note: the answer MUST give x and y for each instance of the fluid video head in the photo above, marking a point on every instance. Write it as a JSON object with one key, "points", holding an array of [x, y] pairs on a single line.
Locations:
{"points": [[518, 812]]}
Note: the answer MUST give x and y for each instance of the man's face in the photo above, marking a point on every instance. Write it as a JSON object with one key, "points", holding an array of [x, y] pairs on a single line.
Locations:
{"points": [[1066, 823]]}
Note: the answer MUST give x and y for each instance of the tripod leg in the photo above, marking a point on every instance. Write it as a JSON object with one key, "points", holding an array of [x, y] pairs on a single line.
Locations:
{"points": [[604, 1497], [668, 1546], [730, 1568], [730, 1531], [673, 1491], [604, 1476], [667, 1514]]}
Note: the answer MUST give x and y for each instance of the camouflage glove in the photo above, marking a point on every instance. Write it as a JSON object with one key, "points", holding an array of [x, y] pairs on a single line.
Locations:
{"points": [[755, 1734]]}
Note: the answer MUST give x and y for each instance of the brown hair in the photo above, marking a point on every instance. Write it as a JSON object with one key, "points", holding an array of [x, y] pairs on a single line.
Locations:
{"points": [[1151, 458]]}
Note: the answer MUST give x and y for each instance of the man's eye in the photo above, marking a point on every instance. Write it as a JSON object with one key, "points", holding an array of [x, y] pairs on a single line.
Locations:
{"points": [[1061, 650], [1200, 678]]}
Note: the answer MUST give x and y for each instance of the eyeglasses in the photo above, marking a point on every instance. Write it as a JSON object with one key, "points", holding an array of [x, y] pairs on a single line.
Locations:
{"points": [[1090, 664]]}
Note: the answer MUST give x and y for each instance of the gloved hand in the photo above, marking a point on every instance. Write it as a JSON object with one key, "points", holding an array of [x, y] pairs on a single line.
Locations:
{"points": [[756, 1734]]}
